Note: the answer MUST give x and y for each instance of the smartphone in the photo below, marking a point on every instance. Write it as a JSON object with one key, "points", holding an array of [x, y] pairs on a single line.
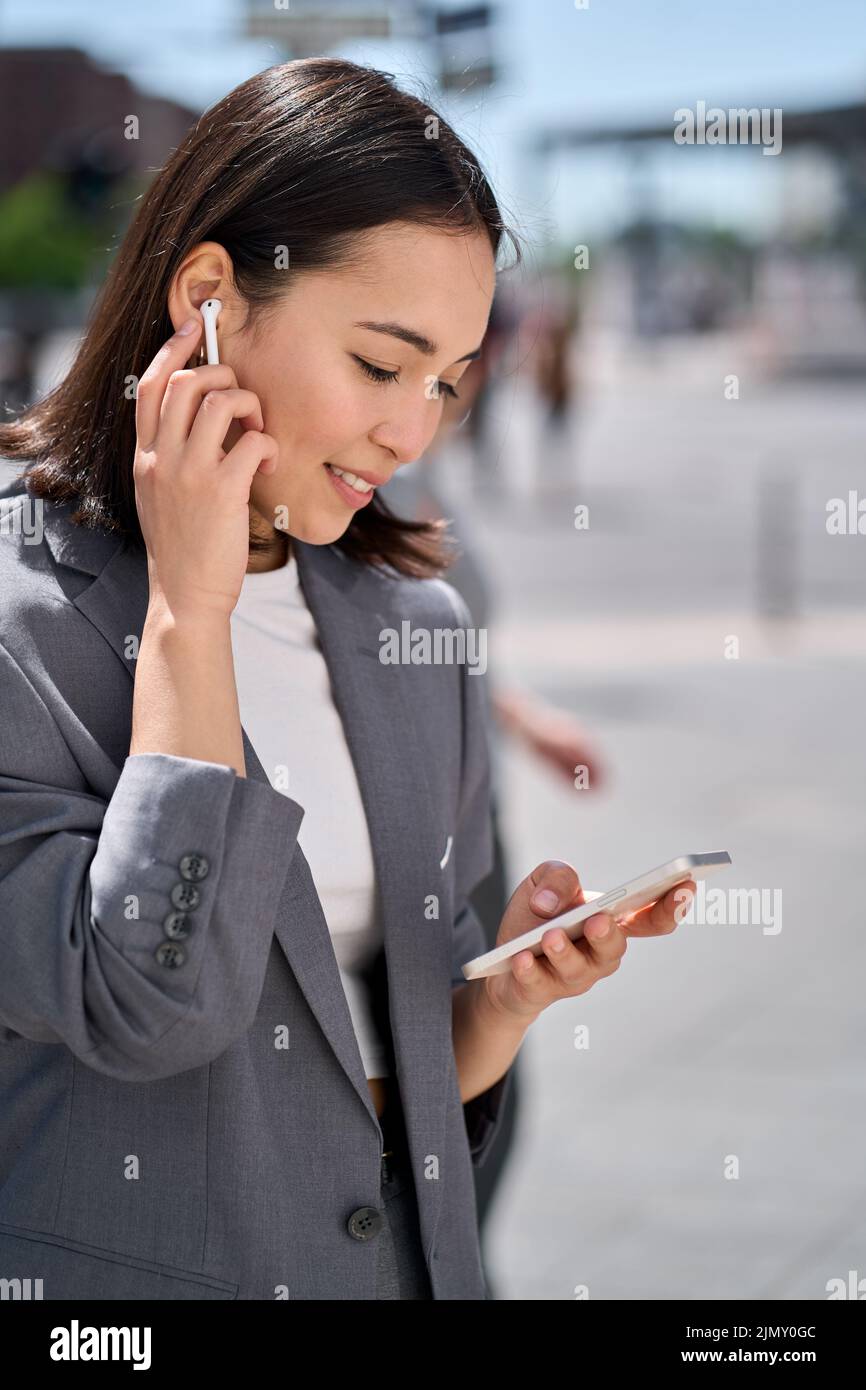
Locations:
{"points": [[619, 902]]}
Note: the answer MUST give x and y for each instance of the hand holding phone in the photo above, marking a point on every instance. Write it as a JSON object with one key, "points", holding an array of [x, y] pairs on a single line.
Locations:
{"points": [[619, 902]]}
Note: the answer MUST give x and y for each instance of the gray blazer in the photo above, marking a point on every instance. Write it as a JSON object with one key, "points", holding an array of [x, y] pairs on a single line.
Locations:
{"points": [[198, 1124]]}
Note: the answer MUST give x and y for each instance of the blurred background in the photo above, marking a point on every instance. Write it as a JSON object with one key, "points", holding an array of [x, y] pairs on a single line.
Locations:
{"points": [[660, 495]]}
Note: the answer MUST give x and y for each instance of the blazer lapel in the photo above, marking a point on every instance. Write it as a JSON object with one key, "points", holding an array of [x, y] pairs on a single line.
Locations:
{"points": [[405, 831], [405, 826]]}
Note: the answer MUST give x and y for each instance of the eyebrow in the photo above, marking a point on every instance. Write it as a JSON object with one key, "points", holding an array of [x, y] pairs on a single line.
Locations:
{"points": [[415, 340]]}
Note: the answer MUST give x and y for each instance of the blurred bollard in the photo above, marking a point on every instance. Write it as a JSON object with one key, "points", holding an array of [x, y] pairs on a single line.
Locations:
{"points": [[777, 580]]}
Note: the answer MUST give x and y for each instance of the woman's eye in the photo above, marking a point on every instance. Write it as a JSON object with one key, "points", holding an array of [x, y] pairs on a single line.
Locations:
{"points": [[379, 374], [375, 373]]}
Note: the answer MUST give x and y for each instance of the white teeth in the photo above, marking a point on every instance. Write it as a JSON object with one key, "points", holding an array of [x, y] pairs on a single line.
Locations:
{"points": [[357, 483]]}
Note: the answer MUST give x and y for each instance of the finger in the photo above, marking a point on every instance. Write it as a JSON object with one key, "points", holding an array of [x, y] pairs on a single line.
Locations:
{"points": [[683, 896], [603, 943], [215, 414], [532, 978], [662, 916], [255, 451], [184, 394], [173, 355], [571, 967], [555, 888]]}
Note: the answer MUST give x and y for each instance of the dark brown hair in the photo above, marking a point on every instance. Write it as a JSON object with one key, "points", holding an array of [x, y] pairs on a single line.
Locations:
{"points": [[305, 155]]}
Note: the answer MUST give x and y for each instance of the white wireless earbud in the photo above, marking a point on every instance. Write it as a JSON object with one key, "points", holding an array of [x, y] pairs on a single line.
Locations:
{"points": [[210, 312]]}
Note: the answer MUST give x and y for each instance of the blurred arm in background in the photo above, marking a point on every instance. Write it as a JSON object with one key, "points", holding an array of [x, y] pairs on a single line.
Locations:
{"points": [[552, 734]]}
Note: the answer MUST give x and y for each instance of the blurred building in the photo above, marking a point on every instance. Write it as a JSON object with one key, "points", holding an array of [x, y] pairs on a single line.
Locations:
{"points": [[85, 140], [803, 284], [459, 36], [58, 102]]}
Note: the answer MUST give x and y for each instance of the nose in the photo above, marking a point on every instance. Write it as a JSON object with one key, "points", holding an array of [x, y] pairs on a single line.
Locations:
{"points": [[409, 430]]}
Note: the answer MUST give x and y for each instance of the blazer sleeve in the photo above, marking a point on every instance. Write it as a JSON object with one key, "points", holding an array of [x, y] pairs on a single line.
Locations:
{"points": [[473, 849], [86, 887]]}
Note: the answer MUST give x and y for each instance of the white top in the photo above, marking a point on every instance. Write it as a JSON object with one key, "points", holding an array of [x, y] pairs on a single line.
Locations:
{"points": [[287, 708]]}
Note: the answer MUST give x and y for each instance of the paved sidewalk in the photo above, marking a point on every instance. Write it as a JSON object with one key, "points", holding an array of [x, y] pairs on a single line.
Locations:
{"points": [[719, 1040]]}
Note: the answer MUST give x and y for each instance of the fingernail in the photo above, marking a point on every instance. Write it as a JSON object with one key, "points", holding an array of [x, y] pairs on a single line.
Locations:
{"points": [[187, 328], [558, 944], [546, 899], [600, 929]]}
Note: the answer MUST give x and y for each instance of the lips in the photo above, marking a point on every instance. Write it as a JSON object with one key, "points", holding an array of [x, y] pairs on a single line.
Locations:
{"points": [[352, 480], [370, 478], [349, 494]]}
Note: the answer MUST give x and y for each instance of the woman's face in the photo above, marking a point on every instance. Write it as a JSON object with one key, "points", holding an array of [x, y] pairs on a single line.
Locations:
{"points": [[337, 390]]}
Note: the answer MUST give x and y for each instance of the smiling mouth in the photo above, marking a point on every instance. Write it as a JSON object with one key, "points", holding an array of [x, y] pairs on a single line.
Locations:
{"points": [[353, 496], [351, 479]]}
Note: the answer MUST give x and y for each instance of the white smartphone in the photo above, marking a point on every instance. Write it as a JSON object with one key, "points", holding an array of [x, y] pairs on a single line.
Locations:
{"points": [[619, 902]]}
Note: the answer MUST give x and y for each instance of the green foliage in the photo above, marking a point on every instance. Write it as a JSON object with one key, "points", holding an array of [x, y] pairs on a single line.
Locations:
{"points": [[44, 240]]}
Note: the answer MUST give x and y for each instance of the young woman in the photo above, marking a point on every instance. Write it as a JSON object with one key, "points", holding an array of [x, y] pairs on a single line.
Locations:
{"points": [[236, 844]]}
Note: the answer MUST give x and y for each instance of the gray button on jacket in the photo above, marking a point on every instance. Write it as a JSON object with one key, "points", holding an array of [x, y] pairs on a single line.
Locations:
{"points": [[185, 1112]]}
